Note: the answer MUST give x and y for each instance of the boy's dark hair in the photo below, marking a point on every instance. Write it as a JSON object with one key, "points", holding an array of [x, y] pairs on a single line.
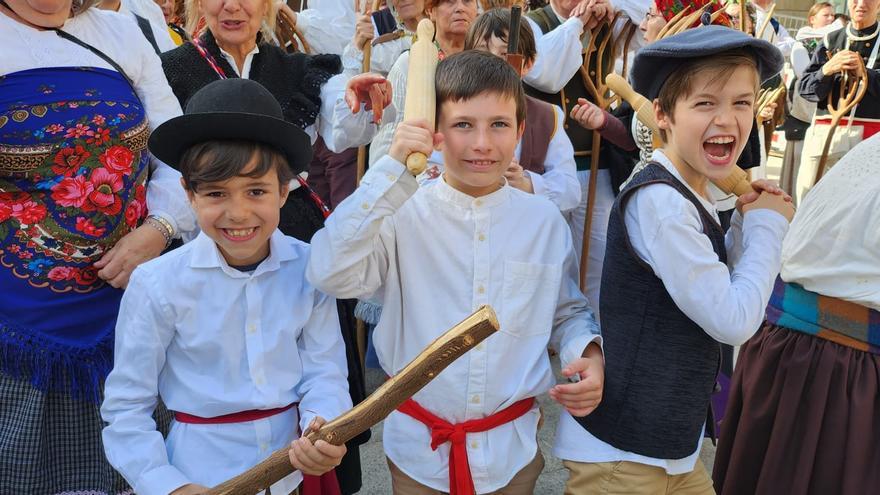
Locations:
{"points": [[721, 66], [496, 22], [217, 161], [470, 73]]}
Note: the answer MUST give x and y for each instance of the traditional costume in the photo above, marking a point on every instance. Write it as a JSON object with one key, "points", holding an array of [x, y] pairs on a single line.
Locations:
{"points": [[75, 177], [863, 123], [806, 391], [663, 325]]}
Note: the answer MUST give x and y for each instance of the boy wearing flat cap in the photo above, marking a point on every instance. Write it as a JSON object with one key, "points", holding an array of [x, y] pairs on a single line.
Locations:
{"points": [[673, 284], [226, 329]]}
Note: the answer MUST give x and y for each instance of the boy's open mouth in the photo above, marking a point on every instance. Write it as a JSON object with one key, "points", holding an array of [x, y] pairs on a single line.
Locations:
{"points": [[719, 149], [239, 235]]}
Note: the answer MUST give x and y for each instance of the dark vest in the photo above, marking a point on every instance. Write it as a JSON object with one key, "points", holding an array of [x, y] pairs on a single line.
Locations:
{"points": [[384, 21], [535, 141], [660, 367], [835, 41], [581, 139]]}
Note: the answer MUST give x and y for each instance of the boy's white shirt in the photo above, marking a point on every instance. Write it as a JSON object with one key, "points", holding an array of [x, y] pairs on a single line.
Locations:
{"points": [[559, 182], [212, 340], [666, 232], [433, 255]]}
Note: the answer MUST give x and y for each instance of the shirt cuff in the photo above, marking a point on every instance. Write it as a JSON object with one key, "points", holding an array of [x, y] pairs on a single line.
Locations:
{"points": [[539, 187], [161, 481], [764, 219], [575, 349]]}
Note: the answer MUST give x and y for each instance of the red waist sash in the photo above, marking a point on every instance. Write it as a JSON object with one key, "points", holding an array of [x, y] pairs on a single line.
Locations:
{"points": [[326, 484], [239, 417], [460, 481]]}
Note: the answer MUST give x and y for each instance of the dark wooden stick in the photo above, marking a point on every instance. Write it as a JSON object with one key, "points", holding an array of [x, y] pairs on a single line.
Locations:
{"points": [[421, 370]]}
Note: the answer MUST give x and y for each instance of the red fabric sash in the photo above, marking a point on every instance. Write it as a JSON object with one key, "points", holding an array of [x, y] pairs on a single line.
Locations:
{"points": [[460, 481], [239, 417], [326, 484]]}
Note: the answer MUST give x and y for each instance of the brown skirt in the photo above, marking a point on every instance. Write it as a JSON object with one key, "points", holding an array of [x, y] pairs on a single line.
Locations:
{"points": [[803, 418]]}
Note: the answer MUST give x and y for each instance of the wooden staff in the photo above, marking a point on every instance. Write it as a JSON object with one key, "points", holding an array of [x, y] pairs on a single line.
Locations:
{"points": [[595, 85], [742, 16], [420, 90], [289, 35], [365, 67], [736, 183], [760, 32], [852, 90], [418, 373], [673, 22]]}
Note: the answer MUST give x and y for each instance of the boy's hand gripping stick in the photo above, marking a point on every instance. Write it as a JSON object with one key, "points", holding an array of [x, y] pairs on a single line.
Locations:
{"points": [[420, 100], [736, 183], [400, 387]]}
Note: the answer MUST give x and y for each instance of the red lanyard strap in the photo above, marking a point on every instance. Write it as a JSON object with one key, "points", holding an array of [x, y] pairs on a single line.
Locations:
{"points": [[208, 57]]}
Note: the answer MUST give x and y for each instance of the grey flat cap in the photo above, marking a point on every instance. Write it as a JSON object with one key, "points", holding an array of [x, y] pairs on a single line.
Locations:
{"points": [[656, 62]]}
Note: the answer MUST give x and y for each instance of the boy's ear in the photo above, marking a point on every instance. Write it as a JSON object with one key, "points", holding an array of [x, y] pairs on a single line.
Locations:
{"points": [[285, 191], [527, 67], [660, 116], [520, 130]]}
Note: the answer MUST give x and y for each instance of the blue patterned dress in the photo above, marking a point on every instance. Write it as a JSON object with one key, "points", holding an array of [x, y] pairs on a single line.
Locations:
{"points": [[73, 171]]}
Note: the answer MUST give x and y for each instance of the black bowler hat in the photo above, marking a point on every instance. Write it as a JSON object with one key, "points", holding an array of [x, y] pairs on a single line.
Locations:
{"points": [[656, 62], [238, 109]]}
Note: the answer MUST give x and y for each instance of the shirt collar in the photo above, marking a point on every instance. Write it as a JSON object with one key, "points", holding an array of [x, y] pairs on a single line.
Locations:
{"points": [[452, 195], [206, 254], [246, 68], [662, 159]]}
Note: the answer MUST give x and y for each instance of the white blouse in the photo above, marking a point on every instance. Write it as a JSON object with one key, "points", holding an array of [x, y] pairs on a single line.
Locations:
{"points": [[119, 37]]}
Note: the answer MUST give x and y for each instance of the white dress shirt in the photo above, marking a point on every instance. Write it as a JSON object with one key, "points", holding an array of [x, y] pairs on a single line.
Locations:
{"points": [[560, 55], [25, 48], [433, 255], [340, 128], [726, 301], [559, 182], [328, 25], [150, 10], [211, 340], [382, 56], [833, 246]]}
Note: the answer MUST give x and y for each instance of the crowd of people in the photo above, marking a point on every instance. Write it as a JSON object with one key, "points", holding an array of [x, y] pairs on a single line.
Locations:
{"points": [[210, 223]]}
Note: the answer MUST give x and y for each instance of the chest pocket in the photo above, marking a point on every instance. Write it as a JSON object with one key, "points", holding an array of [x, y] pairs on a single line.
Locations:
{"points": [[530, 293]]}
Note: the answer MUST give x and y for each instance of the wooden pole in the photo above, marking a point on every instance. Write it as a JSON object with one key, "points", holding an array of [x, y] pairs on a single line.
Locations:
{"points": [[412, 378]]}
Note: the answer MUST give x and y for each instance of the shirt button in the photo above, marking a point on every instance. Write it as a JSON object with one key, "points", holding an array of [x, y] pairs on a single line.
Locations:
{"points": [[475, 399], [481, 237], [264, 447], [390, 178], [478, 202], [480, 346], [259, 380], [251, 328], [481, 290], [475, 445], [365, 206]]}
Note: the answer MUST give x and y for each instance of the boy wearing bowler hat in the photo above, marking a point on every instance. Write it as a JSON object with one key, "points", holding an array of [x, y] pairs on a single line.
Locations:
{"points": [[674, 285], [226, 329]]}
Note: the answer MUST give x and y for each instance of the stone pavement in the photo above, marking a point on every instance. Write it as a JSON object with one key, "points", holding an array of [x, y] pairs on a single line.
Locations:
{"points": [[377, 480]]}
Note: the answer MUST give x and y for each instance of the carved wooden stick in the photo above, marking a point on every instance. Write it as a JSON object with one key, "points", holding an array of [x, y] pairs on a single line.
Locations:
{"points": [[420, 90], [289, 35], [595, 85], [737, 182], [421, 370], [743, 12], [362, 150], [852, 90], [672, 22]]}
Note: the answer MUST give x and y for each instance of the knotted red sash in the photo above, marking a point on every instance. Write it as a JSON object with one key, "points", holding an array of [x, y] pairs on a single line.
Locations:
{"points": [[460, 481]]}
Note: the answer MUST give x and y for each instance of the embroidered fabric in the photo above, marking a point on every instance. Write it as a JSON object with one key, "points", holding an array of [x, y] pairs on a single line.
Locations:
{"points": [[73, 171]]}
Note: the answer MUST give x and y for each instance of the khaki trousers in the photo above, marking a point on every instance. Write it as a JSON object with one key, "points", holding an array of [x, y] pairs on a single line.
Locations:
{"points": [[523, 483], [627, 478]]}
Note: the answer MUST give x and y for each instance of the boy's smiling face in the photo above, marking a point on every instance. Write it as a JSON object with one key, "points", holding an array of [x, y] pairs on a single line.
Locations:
{"points": [[240, 214], [479, 141], [709, 127]]}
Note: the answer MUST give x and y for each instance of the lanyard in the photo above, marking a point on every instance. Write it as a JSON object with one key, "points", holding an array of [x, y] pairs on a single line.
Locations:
{"points": [[325, 211]]}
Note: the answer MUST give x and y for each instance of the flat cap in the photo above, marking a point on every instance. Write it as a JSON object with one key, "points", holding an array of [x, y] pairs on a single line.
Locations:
{"points": [[656, 62]]}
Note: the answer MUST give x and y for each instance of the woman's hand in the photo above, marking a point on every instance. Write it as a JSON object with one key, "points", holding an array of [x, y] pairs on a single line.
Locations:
{"points": [[844, 60], [767, 112], [138, 246], [371, 89], [518, 178], [363, 30]]}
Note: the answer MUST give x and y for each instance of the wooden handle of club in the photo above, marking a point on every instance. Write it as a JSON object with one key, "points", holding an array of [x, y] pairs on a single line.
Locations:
{"points": [[420, 90], [418, 373], [736, 183]]}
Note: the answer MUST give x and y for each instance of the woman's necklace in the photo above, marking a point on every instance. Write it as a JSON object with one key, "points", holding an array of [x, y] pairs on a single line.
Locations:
{"points": [[854, 36]]}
